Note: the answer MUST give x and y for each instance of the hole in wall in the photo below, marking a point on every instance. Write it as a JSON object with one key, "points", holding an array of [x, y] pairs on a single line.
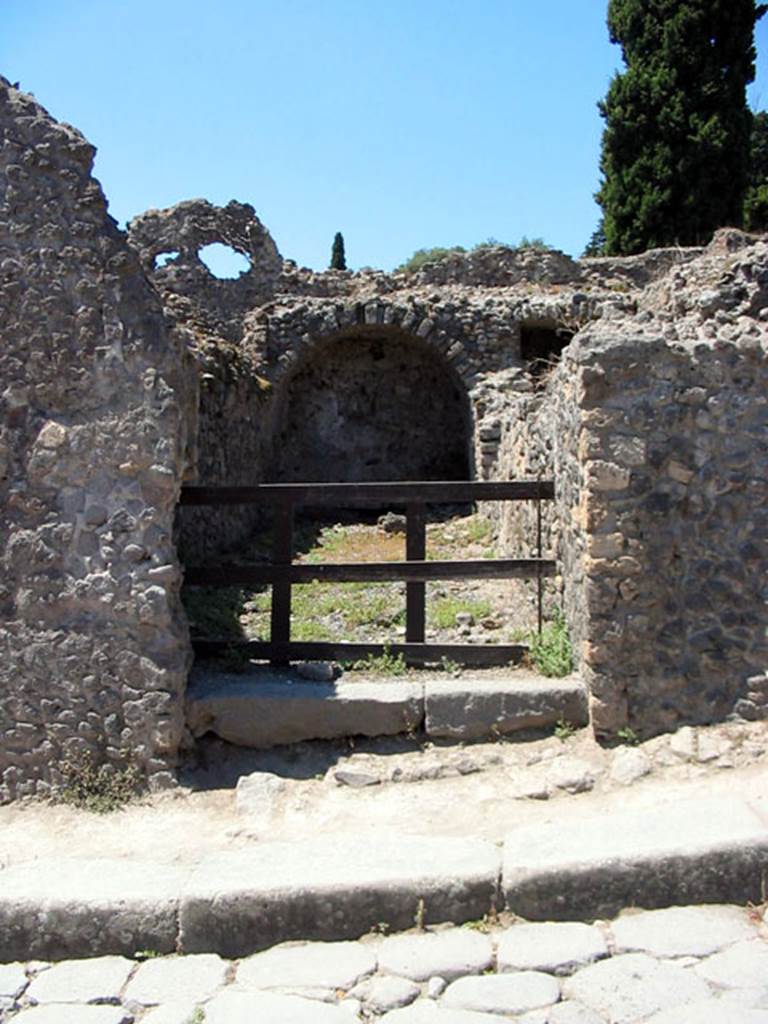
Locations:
{"points": [[164, 258], [541, 345], [223, 261]]}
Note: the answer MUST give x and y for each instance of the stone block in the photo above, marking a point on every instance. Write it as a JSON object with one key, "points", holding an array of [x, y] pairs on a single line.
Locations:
{"points": [[58, 909], [337, 888], [99, 980], [700, 851], [474, 708], [446, 955], [191, 978], [261, 713], [681, 931], [234, 1007], [326, 965], [558, 947], [503, 993]]}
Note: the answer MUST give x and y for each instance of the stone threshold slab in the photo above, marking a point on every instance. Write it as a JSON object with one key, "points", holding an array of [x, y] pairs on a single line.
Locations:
{"points": [[703, 851], [237, 902], [270, 709]]}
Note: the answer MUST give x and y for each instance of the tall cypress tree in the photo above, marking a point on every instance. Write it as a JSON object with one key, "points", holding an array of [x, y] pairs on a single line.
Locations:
{"points": [[338, 259], [675, 157]]}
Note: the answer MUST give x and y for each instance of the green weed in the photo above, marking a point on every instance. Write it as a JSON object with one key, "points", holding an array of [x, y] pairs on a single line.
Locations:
{"points": [[550, 651], [101, 788], [386, 664], [442, 613], [628, 735], [564, 730]]}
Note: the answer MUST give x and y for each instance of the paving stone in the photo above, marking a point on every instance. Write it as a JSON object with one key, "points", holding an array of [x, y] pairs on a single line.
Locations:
{"points": [[744, 965], [632, 986], [425, 1011], [187, 978], [569, 1012], [13, 980], [172, 1013], [711, 1011], [238, 1007], [99, 980], [681, 931], [556, 947], [449, 954], [381, 994], [73, 1013], [502, 993], [628, 765], [329, 965]]}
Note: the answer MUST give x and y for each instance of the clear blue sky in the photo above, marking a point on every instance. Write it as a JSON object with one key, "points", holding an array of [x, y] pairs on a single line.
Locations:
{"points": [[402, 124]]}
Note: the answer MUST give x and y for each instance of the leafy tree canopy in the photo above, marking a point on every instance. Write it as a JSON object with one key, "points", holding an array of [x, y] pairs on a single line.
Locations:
{"points": [[675, 153]]}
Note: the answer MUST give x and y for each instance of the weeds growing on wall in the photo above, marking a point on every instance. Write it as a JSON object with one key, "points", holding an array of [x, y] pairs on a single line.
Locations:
{"points": [[550, 651]]}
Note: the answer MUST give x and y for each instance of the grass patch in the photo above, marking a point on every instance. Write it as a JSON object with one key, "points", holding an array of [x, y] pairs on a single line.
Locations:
{"points": [[386, 664], [214, 611], [442, 613], [99, 789], [550, 651]]}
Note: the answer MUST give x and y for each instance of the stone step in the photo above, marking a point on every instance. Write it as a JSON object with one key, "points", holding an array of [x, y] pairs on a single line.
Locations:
{"points": [[268, 708]]}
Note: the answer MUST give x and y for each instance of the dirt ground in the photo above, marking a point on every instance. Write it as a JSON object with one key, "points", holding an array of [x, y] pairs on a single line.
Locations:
{"points": [[399, 785]]}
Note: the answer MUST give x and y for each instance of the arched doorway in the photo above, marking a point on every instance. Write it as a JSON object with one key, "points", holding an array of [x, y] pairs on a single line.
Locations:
{"points": [[369, 405]]}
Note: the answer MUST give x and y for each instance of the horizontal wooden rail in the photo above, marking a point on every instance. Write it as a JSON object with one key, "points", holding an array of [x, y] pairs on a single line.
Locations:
{"points": [[371, 572], [413, 654], [397, 493]]}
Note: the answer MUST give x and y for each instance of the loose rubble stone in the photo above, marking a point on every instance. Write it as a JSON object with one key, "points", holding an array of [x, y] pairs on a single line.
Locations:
{"points": [[632, 986], [681, 931], [188, 978], [684, 742], [316, 671], [448, 954], [435, 987], [99, 980], [355, 779], [502, 993], [259, 796], [331, 965], [628, 765], [572, 775], [558, 948]]}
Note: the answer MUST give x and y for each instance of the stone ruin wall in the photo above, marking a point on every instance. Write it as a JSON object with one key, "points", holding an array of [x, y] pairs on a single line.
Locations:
{"points": [[122, 378], [655, 428], [95, 411]]}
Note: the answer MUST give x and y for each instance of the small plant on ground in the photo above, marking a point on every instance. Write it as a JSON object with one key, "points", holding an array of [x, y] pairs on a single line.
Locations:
{"points": [[146, 954], [197, 1017], [442, 614], [386, 664], [564, 730], [99, 788], [451, 667], [628, 735], [550, 651]]}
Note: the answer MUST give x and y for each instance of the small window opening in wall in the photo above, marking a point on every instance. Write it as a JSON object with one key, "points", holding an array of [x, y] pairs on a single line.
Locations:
{"points": [[223, 261], [541, 346], [163, 258]]}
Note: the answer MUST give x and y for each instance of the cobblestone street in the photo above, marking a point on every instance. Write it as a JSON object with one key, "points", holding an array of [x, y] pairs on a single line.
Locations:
{"points": [[682, 965]]}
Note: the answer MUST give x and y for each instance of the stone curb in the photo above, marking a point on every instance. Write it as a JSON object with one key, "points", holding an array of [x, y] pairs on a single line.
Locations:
{"points": [[706, 851], [239, 902]]}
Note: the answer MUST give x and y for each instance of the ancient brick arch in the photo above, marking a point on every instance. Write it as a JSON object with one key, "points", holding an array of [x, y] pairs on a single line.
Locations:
{"points": [[473, 339], [370, 402]]}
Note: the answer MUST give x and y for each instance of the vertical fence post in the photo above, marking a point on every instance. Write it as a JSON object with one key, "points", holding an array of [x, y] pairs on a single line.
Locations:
{"points": [[282, 554], [415, 593], [539, 581]]}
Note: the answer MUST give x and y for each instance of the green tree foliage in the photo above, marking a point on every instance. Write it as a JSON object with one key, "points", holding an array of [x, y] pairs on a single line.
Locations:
{"points": [[338, 259], [756, 201], [675, 151], [596, 244]]}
